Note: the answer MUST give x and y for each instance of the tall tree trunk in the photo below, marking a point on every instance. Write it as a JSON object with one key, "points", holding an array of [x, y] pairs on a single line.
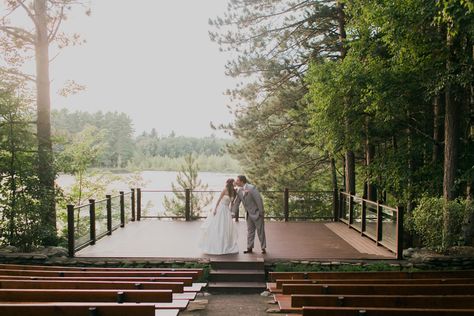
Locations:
{"points": [[333, 174], [45, 154], [369, 158], [436, 129], [450, 133], [350, 158]]}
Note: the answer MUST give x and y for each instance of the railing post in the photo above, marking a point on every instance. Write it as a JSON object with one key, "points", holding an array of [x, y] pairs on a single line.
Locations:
{"points": [[187, 206], [342, 203], [351, 209], [122, 209], [335, 204], [109, 214], [139, 204], [364, 216], [400, 214], [132, 203], [92, 221], [286, 206], [70, 230], [379, 222]]}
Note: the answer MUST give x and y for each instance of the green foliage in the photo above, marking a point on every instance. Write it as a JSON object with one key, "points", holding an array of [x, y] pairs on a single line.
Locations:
{"points": [[317, 267], [113, 146], [187, 178], [20, 189], [428, 221]]}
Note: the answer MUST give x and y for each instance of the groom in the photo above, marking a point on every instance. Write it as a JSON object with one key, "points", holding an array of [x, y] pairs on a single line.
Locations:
{"points": [[253, 204]]}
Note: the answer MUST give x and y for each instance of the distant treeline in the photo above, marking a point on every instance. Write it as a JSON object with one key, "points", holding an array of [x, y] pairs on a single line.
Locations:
{"points": [[151, 151]]}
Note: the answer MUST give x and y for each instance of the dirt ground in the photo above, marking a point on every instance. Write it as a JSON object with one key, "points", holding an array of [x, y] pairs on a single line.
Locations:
{"points": [[230, 305]]}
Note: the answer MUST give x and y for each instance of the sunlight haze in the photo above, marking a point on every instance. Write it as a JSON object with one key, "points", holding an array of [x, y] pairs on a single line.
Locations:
{"points": [[150, 59]]}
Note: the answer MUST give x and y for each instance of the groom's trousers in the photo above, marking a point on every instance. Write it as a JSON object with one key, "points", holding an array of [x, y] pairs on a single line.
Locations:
{"points": [[259, 226]]}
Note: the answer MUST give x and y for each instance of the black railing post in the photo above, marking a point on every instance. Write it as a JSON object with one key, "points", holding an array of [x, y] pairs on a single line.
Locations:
{"points": [[400, 214], [70, 230], [139, 204], [92, 221], [187, 206], [122, 209], [335, 204], [364, 216], [286, 205], [379, 223], [342, 201], [109, 214], [132, 204], [351, 209]]}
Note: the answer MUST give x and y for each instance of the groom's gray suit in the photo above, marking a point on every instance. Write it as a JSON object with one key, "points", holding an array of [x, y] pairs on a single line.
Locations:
{"points": [[253, 204]]}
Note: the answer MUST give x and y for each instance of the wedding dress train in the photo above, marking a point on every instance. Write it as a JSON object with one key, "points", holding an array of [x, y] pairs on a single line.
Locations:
{"points": [[218, 232]]}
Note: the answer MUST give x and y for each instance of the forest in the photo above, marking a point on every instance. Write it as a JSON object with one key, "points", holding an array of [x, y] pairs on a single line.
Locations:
{"points": [[373, 97], [118, 149]]}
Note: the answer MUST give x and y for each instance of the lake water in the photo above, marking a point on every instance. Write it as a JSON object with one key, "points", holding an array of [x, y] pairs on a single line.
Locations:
{"points": [[152, 202]]}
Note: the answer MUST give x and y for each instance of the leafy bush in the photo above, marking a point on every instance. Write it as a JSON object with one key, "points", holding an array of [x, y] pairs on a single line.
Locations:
{"points": [[428, 222]]}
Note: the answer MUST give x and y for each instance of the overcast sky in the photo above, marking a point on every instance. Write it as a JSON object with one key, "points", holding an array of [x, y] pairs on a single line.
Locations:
{"points": [[150, 59]]}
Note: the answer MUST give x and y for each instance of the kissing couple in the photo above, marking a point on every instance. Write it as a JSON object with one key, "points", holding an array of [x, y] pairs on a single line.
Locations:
{"points": [[219, 233]]}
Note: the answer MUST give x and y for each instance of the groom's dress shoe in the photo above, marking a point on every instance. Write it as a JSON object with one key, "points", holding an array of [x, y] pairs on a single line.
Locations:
{"points": [[264, 251], [249, 250]]}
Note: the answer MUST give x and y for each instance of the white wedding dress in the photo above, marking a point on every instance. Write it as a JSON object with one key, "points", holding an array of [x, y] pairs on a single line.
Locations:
{"points": [[218, 232]]}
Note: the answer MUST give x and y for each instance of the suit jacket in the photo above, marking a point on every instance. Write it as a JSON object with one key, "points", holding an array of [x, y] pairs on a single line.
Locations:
{"points": [[252, 201]]}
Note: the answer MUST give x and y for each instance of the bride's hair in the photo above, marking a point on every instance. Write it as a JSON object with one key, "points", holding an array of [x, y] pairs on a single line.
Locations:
{"points": [[229, 185]]}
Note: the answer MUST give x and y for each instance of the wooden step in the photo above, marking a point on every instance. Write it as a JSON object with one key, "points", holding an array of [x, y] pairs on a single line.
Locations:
{"points": [[255, 264], [247, 287], [232, 275]]}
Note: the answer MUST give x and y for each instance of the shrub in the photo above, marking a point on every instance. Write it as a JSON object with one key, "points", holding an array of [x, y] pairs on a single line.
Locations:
{"points": [[428, 222]]}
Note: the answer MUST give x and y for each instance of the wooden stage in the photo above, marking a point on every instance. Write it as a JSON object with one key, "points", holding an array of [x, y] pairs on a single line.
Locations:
{"points": [[290, 240]]}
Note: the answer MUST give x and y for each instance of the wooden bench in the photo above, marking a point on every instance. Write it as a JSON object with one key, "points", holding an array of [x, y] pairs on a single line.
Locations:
{"points": [[276, 287], [199, 271], [176, 287], [392, 301], [187, 281], [68, 295], [380, 289], [77, 309], [64, 273], [273, 276], [353, 311]]}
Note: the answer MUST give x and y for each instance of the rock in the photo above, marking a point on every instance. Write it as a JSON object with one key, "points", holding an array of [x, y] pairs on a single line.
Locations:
{"points": [[54, 252], [266, 294], [9, 249], [197, 305]]}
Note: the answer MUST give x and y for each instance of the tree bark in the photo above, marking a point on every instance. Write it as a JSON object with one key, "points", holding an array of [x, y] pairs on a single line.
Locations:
{"points": [[369, 158], [45, 154], [436, 129], [333, 174], [350, 159], [450, 133]]}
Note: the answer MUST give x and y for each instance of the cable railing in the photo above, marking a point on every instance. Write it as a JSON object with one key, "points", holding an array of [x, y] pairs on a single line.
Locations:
{"points": [[196, 204], [90, 222], [381, 223]]}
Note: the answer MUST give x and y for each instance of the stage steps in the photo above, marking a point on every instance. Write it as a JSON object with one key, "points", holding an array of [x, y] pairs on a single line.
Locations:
{"points": [[237, 276]]}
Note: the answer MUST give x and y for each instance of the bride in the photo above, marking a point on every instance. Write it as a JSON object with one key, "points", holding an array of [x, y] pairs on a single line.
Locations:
{"points": [[218, 232]]}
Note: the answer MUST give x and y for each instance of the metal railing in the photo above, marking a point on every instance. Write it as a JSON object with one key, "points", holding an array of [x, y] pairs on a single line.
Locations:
{"points": [[89, 222], [381, 223], [279, 205]]}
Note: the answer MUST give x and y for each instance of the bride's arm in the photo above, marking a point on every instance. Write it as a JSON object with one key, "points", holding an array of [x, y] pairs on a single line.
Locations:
{"points": [[218, 201]]}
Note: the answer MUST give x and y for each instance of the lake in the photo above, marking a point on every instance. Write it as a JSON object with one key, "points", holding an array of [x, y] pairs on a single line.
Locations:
{"points": [[158, 180]]}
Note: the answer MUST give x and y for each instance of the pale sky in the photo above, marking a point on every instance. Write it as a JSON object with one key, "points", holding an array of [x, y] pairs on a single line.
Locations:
{"points": [[150, 59]]}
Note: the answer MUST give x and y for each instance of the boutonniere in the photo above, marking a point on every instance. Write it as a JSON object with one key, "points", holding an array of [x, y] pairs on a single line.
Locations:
{"points": [[246, 191]]}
